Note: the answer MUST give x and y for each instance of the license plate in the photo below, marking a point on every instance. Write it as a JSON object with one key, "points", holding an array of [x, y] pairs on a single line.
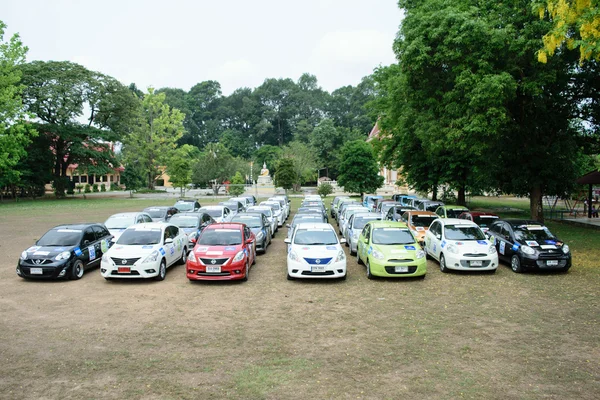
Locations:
{"points": [[476, 263], [318, 269], [552, 262], [213, 269], [36, 271], [401, 269], [124, 270]]}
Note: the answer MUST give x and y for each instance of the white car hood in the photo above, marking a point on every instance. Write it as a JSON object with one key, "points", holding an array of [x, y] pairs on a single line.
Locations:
{"points": [[312, 253], [133, 251], [469, 246], [116, 233]]}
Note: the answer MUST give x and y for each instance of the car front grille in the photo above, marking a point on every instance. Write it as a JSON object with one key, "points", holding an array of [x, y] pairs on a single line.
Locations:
{"points": [[543, 264], [467, 264], [321, 261], [318, 273], [392, 270], [217, 261], [128, 261], [38, 261], [222, 273], [401, 260], [475, 255], [130, 273]]}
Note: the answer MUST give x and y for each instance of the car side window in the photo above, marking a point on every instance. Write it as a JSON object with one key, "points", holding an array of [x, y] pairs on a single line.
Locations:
{"points": [[100, 232], [505, 231], [247, 232], [435, 228], [88, 236], [174, 231], [404, 217]]}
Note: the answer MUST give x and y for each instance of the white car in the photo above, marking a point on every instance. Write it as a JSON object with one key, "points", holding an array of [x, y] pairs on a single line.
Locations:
{"points": [[117, 223], [244, 200], [219, 213], [343, 218], [313, 197], [461, 245], [276, 206], [314, 251], [268, 211], [285, 208], [145, 251]]}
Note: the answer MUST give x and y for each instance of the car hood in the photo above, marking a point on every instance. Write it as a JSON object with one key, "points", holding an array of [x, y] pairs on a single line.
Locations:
{"points": [[397, 250], [256, 231], [43, 252], [116, 233], [216, 251], [317, 254], [543, 246], [469, 246], [132, 251]]}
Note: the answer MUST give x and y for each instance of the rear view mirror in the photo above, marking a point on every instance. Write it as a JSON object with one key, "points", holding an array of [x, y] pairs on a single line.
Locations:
{"points": [[342, 240], [287, 240], [438, 237], [168, 240]]}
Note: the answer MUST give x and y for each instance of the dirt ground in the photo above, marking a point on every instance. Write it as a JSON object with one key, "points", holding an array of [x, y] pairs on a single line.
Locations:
{"points": [[501, 336]]}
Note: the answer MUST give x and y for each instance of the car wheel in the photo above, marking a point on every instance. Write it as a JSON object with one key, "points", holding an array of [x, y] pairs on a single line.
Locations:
{"points": [[77, 270], [162, 271], [443, 267], [247, 271], [369, 274], [427, 256], [343, 278], [265, 244], [181, 261], [358, 260], [515, 264], [352, 253], [290, 278]]}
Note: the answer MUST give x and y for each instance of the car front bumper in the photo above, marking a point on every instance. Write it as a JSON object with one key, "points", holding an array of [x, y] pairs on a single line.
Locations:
{"points": [[556, 262], [56, 270], [386, 268], [301, 269], [462, 263], [108, 269], [196, 271]]}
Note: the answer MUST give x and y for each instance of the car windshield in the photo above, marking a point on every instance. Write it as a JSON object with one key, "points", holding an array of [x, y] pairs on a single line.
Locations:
{"points": [[484, 220], [140, 237], [533, 232], [307, 219], [185, 206], [60, 237], [431, 207], [455, 212], [184, 221], [386, 206], [231, 205], [315, 237], [156, 212], [213, 212], [276, 206], [422, 220], [250, 221], [120, 222], [360, 222], [463, 232], [392, 236], [264, 211], [221, 237]]}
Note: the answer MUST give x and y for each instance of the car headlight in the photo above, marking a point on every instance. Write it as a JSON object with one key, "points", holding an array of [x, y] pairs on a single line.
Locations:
{"points": [[565, 248], [293, 256], [192, 257], [23, 255], [193, 235], [341, 256], [260, 236], [492, 249], [527, 250], [105, 258], [420, 254], [239, 256], [378, 255], [452, 249], [63, 256], [152, 257]]}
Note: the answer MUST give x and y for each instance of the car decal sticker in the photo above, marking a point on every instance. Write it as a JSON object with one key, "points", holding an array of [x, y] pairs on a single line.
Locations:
{"points": [[201, 249], [214, 253], [410, 247], [482, 242], [171, 250], [41, 253], [502, 247], [119, 248], [370, 250], [104, 245], [420, 228], [515, 247], [434, 247], [550, 241], [531, 243], [33, 248], [143, 247], [229, 248], [396, 251], [77, 251], [60, 249], [162, 251], [443, 244], [331, 248], [548, 246], [92, 251]]}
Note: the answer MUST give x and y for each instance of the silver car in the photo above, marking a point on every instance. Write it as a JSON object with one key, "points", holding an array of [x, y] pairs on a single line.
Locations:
{"points": [[355, 226]]}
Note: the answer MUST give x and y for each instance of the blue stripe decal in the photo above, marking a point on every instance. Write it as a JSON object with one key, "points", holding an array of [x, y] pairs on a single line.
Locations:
{"points": [[322, 261]]}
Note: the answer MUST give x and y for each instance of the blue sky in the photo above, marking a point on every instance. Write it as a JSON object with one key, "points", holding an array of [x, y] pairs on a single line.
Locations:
{"points": [[238, 43]]}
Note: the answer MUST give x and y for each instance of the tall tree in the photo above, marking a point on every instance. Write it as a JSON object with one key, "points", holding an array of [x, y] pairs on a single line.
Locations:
{"points": [[278, 106], [179, 166], [326, 141], [154, 139], [305, 163], [359, 172], [285, 176], [59, 93], [204, 102], [15, 135], [215, 166]]}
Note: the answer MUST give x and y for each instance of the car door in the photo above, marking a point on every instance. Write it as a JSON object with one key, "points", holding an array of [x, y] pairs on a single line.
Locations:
{"points": [[432, 239], [169, 247], [250, 247], [102, 239], [89, 256], [361, 245]]}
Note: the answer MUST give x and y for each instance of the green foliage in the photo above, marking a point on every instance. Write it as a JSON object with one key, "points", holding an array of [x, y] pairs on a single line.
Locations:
{"points": [[179, 166], [133, 177], [285, 176], [215, 166], [305, 164], [359, 170], [236, 186], [324, 190], [268, 154], [95, 188], [103, 187], [88, 189], [153, 141]]}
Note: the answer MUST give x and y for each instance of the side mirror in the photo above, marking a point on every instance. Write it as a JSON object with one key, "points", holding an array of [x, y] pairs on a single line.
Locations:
{"points": [[288, 226], [168, 240], [438, 237], [366, 240], [287, 240], [342, 240]]}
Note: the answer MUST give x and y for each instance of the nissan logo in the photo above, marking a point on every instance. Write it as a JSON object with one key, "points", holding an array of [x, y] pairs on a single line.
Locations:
{"points": [[123, 261], [213, 261], [318, 261]]}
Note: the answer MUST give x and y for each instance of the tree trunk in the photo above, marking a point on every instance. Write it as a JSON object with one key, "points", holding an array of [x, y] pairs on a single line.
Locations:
{"points": [[434, 190], [462, 200], [536, 206]]}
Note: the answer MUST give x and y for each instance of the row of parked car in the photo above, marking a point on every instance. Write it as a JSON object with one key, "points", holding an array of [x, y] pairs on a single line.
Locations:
{"points": [[144, 244]]}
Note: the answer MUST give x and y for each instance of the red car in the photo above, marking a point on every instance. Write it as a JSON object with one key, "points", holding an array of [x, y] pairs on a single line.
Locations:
{"points": [[223, 251], [483, 219]]}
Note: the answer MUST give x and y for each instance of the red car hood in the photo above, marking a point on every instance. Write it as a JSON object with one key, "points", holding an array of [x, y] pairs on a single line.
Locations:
{"points": [[217, 251]]}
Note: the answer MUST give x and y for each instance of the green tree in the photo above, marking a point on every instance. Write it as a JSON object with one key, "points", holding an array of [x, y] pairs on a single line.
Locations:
{"points": [[285, 176], [305, 163], [59, 93], [359, 169], [268, 155], [154, 139], [236, 186], [324, 190], [133, 177], [15, 135], [214, 167], [326, 141], [179, 166], [278, 107]]}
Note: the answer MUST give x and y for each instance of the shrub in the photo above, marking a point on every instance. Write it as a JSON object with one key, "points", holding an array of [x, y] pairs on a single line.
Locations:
{"points": [[324, 189], [79, 187], [103, 188], [87, 188], [95, 188]]}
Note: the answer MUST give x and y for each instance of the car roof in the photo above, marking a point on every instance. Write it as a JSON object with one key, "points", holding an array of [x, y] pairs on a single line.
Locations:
{"points": [[314, 225], [189, 214], [225, 225], [387, 224], [126, 214], [367, 214], [456, 221], [213, 207], [454, 206], [418, 212], [480, 213], [518, 222], [79, 226], [158, 207], [186, 201], [150, 225]]}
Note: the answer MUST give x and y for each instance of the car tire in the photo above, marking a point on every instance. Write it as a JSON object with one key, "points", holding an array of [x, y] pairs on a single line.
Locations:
{"points": [[265, 247], [290, 278], [162, 271], [443, 266], [427, 256], [181, 261], [343, 278], [245, 278], [77, 270], [358, 260], [369, 274], [515, 264]]}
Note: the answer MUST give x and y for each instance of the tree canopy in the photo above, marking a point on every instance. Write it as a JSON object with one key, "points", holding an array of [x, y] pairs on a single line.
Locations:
{"points": [[359, 169]]}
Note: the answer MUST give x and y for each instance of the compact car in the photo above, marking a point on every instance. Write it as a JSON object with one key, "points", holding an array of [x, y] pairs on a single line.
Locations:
{"points": [[418, 222], [260, 227], [192, 223], [483, 219], [219, 213], [356, 223], [117, 223], [187, 205], [161, 213], [450, 211]]}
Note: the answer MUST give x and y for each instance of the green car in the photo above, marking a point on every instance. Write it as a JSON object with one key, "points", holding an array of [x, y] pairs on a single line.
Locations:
{"points": [[449, 211], [389, 249]]}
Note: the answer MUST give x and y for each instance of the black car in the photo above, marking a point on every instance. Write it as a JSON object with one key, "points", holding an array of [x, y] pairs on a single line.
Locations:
{"points": [[161, 213], [192, 223], [187, 205], [259, 225], [395, 213], [529, 245], [65, 251]]}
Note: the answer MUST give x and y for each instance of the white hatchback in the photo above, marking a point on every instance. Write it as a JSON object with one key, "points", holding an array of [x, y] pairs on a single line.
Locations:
{"points": [[219, 213], [145, 251], [461, 245], [314, 251]]}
